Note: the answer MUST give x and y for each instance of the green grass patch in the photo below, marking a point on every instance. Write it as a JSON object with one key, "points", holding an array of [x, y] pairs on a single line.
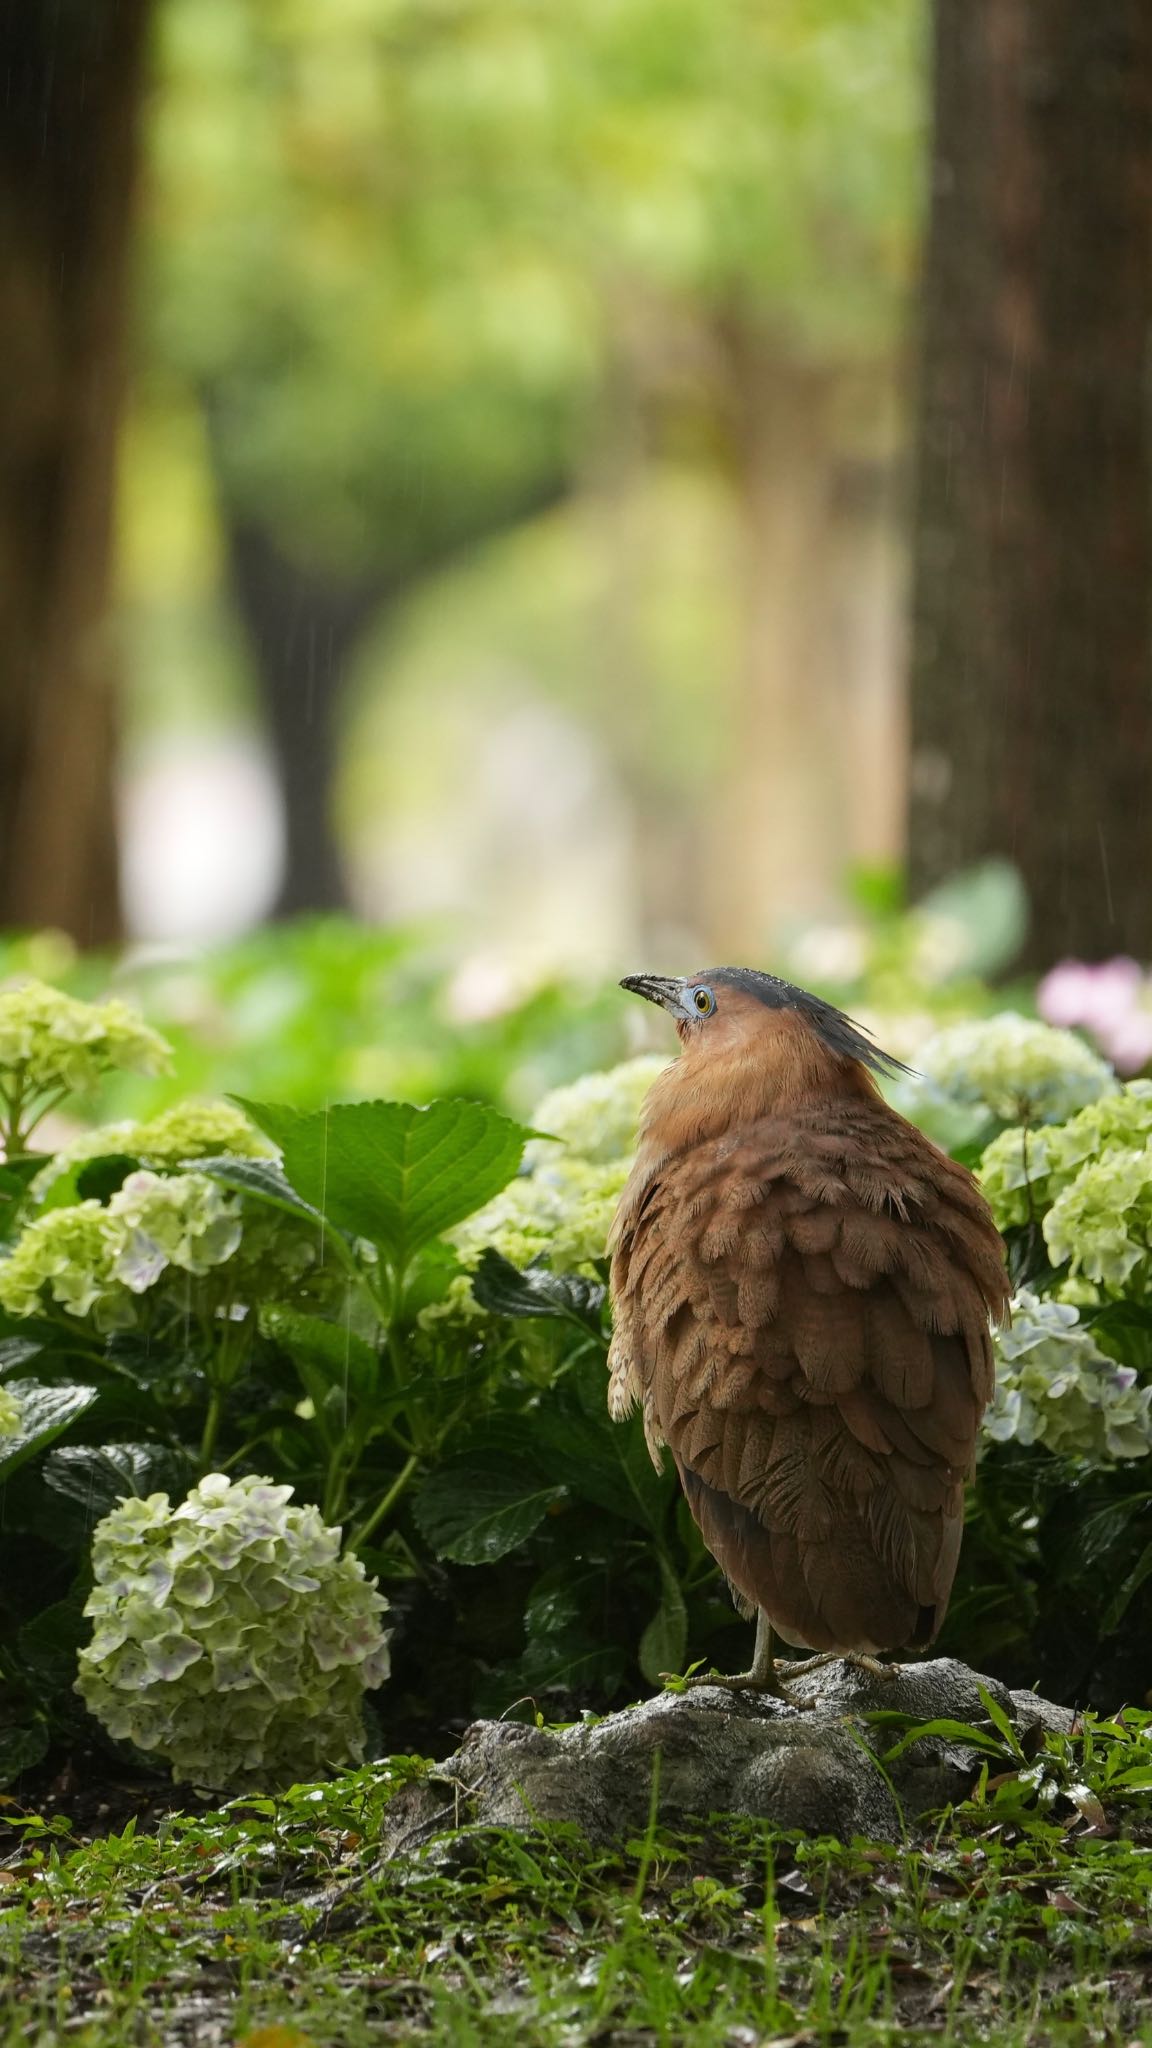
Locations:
{"points": [[1021, 1918]]}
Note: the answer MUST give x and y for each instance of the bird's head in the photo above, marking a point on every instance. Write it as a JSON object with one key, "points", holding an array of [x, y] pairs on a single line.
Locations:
{"points": [[737, 1010]]}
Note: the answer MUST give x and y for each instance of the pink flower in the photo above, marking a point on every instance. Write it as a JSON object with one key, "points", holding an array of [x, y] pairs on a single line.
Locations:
{"points": [[1112, 1000]]}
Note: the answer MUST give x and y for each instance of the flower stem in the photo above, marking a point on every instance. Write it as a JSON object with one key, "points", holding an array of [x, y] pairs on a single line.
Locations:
{"points": [[211, 1427], [385, 1506]]}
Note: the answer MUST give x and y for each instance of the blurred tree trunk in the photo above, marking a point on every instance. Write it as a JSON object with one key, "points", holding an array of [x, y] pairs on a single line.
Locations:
{"points": [[1032, 611], [303, 628], [73, 82], [304, 625], [778, 844]]}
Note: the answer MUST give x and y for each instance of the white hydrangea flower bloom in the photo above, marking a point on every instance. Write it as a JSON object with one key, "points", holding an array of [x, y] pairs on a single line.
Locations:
{"points": [[1016, 1069], [1054, 1386], [231, 1638], [92, 1259]]}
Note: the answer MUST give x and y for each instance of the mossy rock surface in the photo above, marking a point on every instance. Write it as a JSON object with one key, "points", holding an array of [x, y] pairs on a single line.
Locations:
{"points": [[817, 1770]]}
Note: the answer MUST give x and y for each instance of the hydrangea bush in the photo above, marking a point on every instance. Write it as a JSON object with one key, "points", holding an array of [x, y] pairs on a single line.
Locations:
{"points": [[293, 1294], [1014, 1069], [231, 1638]]}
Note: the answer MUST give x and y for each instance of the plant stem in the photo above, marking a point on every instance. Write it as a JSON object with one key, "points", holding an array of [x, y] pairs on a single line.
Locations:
{"points": [[334, 1484], [384, 1507], [211, 1426]]}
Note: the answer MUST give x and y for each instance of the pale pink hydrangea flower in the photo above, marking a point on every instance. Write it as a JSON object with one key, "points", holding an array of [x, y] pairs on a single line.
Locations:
{"points": [[1111, 1000]]}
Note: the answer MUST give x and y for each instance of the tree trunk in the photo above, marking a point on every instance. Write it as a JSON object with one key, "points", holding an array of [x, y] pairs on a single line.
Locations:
{"points": [[303, 629], [1032, 607], [778, 843], [74, 80]]}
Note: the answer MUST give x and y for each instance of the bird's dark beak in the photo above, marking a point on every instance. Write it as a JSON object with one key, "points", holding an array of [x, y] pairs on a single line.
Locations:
{"points": [[667, 991]]}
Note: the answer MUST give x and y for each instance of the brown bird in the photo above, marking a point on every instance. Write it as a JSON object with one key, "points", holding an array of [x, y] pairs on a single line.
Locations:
{"points": [[803, 1286]]}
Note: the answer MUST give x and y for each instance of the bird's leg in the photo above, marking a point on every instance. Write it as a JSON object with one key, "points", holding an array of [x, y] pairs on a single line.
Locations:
{"points": [[763, 1675]]}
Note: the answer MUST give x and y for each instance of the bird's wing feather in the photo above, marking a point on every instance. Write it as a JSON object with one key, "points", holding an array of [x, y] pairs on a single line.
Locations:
{"points": [[804, 1313]]}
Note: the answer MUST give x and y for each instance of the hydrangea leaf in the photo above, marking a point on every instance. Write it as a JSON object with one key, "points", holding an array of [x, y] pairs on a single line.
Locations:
{"points": [[605, 1462], [45, 1414], [563, 1648], [21, 1747], [100, 1475], [665, 1640], [341, 1357], [392, 1173], [1126, 1591], [16, 1176], [477, 1507], [261, 1178], [99, 1179], [16, 1351], [504, 1290], [46, 1646]]}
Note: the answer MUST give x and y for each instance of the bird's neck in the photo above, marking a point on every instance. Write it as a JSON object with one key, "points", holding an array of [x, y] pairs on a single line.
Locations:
{"points": [[707, 1093]]}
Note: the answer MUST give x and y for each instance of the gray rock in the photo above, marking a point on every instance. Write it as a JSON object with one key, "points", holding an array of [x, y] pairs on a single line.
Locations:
{"points": [[816, 1770]]}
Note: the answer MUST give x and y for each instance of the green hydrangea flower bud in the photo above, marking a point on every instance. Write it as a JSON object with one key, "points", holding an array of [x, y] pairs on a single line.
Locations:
{"points": [[1015, 1069], [596, 1116], [189, 1130], [1014, 1174], [1023, 1171], [67, 1256], [51, 1043], [230, 1636], [1054, 1386], [1102, 1221]]}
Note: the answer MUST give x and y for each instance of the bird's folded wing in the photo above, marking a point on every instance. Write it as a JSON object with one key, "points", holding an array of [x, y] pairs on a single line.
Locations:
{"points": [[804, 1312]]}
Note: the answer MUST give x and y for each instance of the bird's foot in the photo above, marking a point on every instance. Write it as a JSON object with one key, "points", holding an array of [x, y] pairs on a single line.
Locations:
{"points": [[859, 1660]]}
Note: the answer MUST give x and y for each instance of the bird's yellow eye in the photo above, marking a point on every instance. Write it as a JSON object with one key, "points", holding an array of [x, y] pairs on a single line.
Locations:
{"points": [[703, 1000]]}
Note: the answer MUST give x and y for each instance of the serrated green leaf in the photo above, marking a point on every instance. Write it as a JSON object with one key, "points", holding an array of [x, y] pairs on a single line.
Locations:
{"points": [[46, 1646], [262, 1178], [15, 1352], [100, 1475], [99, 1179], [45, 1412], [344, 1360], [602, 1461], [392, 1173], [504, 1290], [474, 1510]]}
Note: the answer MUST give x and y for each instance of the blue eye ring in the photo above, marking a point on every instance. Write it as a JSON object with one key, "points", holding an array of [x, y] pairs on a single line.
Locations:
{"points": [[703, 1001]]}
